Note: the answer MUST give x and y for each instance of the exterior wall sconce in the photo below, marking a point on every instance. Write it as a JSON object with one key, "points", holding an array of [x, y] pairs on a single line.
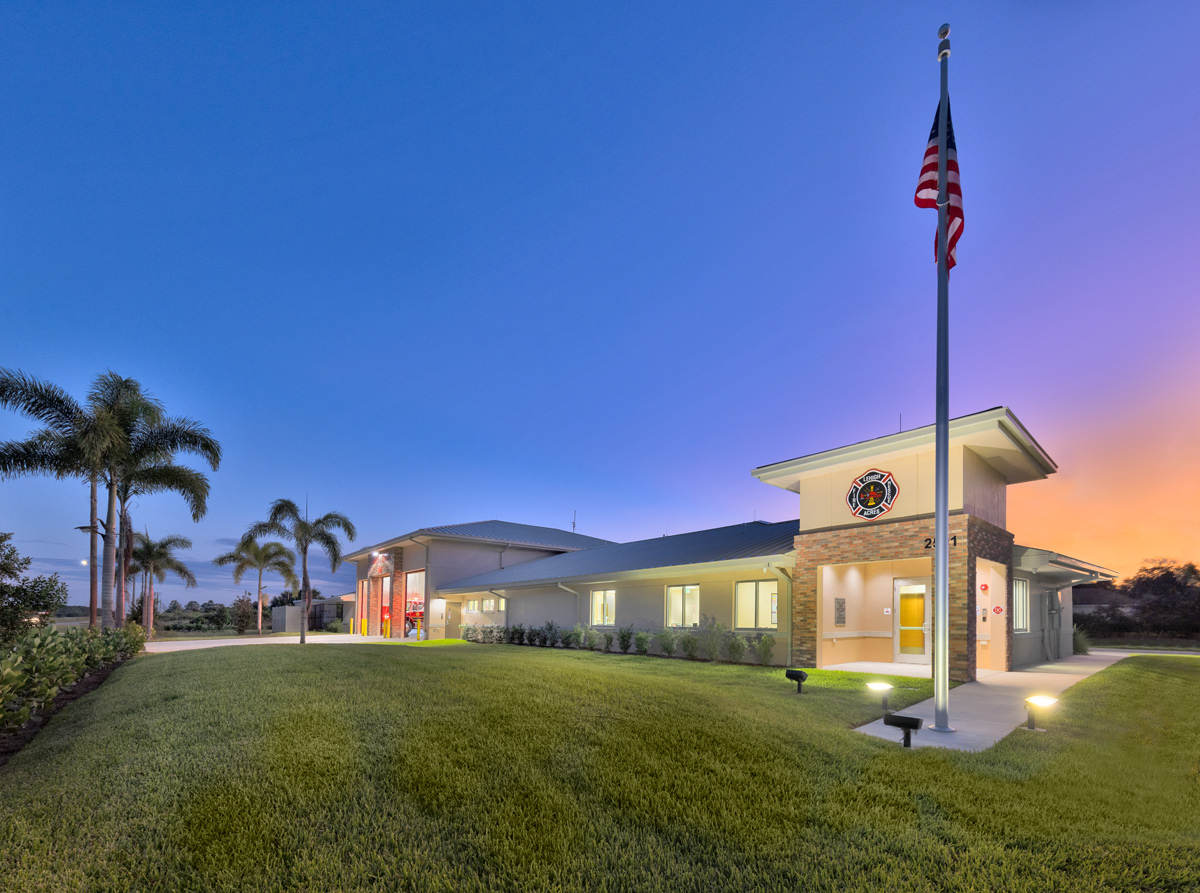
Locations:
{"points": [[881, 688], [1041, 702]]}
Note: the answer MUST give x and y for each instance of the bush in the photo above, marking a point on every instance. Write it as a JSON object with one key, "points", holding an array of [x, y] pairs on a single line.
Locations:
{"points": [[577, 635], [691, 645], [711, 635], [466, 632], [24, 597], [764, 648], [1079, 641], [641, 642], [608, 640], [591, 639], [550, 634], [243, 614], [333, 626], [668, 641], [533, 636], [1108, 621], [735, 647], [516, 634], [625, 639], [44, 661]]}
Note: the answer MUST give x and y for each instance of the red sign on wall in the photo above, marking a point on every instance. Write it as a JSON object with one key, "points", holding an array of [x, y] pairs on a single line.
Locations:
{"points": [[999, 609]]}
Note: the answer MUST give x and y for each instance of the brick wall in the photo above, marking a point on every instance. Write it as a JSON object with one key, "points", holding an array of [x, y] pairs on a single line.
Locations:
{"points": [[397, 593], [894, 541]]}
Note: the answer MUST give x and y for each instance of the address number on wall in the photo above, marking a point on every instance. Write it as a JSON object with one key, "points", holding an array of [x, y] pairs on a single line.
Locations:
{"points": [[930, 541]]}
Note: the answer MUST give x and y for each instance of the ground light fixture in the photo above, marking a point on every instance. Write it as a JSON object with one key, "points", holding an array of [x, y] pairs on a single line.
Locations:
{"points": [[1040, 702], [799, 677], [881, 688]]}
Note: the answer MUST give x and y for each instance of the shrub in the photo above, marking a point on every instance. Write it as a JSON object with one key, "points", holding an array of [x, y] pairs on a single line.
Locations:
{"points": [[625, 639], [1080, 643], [550, 634], [244, 616], [591, 639], [44, 661], [533, 635], [24, 597], [735, 647], [691, 645], [641, 642], [764, 648], [608, 640], [570, 637], [577, 634], [466, 631], [668, 641], [711, 635], [333, 626]]}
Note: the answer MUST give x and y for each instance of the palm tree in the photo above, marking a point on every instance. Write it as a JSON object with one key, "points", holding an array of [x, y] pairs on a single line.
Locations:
{"points": [[285, 520], [273, 557], [141, 477], [155, 560], [73, 444], [148, 437]]}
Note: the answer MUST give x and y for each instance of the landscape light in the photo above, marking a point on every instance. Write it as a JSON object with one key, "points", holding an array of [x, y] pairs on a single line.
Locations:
{"points": [[799, 677], [881, 688], [84, 562], [1042, 701]]}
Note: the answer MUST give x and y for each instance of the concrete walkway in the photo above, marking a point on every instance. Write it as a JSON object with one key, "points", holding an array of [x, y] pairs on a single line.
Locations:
{"points": [[983, 712], [160, 646]]}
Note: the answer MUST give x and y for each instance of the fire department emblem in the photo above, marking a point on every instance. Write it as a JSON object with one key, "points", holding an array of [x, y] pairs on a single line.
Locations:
{"points": [[872, 494]]}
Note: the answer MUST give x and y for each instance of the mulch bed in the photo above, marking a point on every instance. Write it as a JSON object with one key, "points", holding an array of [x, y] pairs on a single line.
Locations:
{"points": [[12, 741]]}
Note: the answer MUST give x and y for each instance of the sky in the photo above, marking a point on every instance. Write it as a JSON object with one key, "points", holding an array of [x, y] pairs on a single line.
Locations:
{"points": [[427, 264]]}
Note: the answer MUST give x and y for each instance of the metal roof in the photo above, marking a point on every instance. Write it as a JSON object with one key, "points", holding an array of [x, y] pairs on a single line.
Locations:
{"points": [[1057, 569], [497, 532], [750, 540]]}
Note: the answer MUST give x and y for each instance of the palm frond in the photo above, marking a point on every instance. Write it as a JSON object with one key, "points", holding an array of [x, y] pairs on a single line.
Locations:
{"points": [[331, 546], [41, 400], [164, 477], [331, 520]]}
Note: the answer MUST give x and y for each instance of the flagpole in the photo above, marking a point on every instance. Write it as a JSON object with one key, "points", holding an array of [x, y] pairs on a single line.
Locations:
{"points": [[941, 511]]}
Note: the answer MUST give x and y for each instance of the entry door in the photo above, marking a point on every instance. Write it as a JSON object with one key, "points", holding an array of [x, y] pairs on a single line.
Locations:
{"points": [[453, 619], [912, 624]]}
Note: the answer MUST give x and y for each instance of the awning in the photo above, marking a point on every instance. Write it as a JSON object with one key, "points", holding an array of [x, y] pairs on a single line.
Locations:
{"points": [[1057, 570]]}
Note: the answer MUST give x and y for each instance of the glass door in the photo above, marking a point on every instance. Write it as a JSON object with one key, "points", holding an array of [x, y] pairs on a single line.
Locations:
{"points": [[912, 626]]}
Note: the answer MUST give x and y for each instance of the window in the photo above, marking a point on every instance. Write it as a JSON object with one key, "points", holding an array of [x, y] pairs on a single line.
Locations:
{"points": [[604, 604], [473, 605], [1020, 606], [489, 606], [683, 606], [756, 605], [414, 591], [503, 604]]}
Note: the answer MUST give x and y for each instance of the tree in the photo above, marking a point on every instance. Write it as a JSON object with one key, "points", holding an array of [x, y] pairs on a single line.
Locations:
{"points": [[285, 520], [141, 476], [193, 605], [243, 614], [73, 443], [268, 557], [174, 607], [148, 436], [156, 559], [25, 601], [1167, 596]]}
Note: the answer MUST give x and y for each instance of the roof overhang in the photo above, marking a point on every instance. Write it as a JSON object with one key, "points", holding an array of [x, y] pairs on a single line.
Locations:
{"points": [[1058, 570], [755, 564], [995, 435], [410, 539]]}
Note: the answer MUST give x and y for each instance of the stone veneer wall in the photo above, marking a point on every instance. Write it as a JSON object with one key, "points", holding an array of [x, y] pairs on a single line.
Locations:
{"points": [[892, 541]]}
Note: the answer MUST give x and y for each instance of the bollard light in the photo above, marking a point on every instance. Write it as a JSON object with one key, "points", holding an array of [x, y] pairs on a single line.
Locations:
{"points": [[1041, 702], [881, 688]]}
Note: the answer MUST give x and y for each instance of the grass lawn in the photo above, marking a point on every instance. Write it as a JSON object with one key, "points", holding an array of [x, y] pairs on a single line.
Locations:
{"points": [[500, 768]]}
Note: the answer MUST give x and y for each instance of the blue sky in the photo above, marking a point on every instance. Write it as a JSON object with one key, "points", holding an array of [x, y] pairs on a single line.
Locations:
{"points": [[436, 263]]}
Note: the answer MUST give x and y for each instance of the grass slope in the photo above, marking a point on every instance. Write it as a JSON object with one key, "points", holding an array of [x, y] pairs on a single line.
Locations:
{"points": [[499, 768]]}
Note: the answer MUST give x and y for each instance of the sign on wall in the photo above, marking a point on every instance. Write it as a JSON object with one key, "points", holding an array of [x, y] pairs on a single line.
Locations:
{"points": [[872, 494]]}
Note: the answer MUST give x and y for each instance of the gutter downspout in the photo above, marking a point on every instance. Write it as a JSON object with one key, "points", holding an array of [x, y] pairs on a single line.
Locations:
{"points": [[507, 546], [785, 581], [425, 594], [574, 593]]}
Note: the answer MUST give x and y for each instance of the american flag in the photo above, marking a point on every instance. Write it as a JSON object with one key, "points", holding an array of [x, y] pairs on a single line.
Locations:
{"points": [[927, 185]]}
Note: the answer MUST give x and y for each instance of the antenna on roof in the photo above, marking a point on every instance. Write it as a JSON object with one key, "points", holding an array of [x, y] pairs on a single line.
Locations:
{"points": [[901, 421], [574, 514]]}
